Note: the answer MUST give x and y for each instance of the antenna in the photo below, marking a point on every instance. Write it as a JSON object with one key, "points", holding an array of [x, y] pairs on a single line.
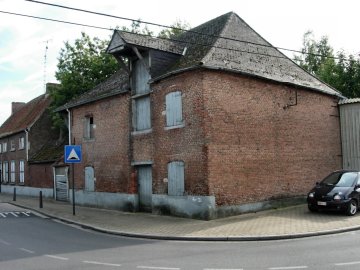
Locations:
{"points": [[45, 61]]}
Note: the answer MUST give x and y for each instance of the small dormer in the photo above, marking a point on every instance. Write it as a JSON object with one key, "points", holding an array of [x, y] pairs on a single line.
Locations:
{"points": [[143, 57]]}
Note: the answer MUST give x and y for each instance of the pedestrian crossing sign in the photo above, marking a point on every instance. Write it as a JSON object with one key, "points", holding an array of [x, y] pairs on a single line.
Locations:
{"points": [[73, 154]]}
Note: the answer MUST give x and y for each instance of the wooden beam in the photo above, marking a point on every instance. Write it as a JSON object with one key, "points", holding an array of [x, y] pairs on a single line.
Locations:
{"points": [[122, 64], [136, 51]]}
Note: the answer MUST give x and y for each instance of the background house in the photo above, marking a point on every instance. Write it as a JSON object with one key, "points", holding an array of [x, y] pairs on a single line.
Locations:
{"points": [[212, 123], [28, 148]]}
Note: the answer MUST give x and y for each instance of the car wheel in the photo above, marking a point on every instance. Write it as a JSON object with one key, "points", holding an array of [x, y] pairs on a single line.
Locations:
{"points": [[312, 208], [352, 208]]}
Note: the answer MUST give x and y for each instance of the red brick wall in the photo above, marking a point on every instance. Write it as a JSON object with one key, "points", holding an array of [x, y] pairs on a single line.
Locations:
{"points": [[180, 144], [108, 152], [40, 175], [258, 147]]}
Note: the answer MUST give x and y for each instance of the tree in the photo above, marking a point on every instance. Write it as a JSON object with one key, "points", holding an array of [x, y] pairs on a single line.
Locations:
{"points": [[341, 71], [81, 66], [85, 64], [177, 28]]}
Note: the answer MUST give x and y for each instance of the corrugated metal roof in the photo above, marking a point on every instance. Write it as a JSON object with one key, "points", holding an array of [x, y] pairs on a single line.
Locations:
{"points": [[349, 101]]}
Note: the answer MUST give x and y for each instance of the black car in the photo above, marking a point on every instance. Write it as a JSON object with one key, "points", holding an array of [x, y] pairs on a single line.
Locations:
{"points": [[338, 191]]}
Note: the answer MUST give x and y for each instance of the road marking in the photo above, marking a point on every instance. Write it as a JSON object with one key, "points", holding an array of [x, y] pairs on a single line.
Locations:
{"points": [[4, 242], [223, 269], [347, 263], [26, 214], [156, 267], [15, 215], [102, 263], [288, 267], [1, 214], [56, 257], [27, 250]]}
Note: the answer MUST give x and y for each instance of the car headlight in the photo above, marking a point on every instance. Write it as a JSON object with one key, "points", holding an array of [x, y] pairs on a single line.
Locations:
{"points": [[311, 195], [337, 197]]}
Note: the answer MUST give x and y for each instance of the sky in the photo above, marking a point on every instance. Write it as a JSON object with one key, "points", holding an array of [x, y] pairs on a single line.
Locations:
{"points": [[24, 42]]}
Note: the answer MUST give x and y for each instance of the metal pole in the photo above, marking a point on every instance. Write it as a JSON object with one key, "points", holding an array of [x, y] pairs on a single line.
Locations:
{"points": [[41, 200], [14, 196], [73, 187]]}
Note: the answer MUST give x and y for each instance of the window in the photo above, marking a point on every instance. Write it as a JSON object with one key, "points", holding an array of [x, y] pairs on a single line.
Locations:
{"points": [[0, 147], [1, 174], [142, 117], [4, 146], [21, 143], [174, 109], [5, 172], [89, 127], [140, 76], [141, 94], [21, 171], [176, 178], [12, 171], [12, 145]]}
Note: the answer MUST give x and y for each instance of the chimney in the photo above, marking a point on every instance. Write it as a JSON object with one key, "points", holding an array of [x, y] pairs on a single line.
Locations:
{"points": [[15, 106]]}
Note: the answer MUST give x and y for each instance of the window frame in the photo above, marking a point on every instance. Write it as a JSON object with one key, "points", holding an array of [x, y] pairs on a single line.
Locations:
{"points": [[21, 171], [12, 171], [21, 143], [5, 171], [174, 110], [89, 127]]}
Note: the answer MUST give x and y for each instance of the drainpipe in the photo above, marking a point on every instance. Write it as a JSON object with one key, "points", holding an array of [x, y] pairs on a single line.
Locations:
{"points": [[69, 125], [27, 143]]}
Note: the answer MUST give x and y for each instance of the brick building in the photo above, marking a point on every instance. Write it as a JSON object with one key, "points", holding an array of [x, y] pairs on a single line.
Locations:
{"points": [[28, 147], [211, 123]]}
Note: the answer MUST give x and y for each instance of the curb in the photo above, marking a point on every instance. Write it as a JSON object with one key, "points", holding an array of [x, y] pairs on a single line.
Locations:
{"points": [[192, 238]]}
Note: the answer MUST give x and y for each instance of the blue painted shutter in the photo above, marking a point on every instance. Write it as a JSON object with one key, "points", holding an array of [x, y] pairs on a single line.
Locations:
{"points": [[143, 119], [141, 77], [176, 178], [174, 109]]}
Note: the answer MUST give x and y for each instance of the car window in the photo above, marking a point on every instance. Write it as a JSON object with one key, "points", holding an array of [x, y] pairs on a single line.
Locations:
{"points": [[341, 179]]}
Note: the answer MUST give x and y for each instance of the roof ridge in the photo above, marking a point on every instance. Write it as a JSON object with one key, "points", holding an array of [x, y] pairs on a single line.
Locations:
{"points": [[217, 41]]}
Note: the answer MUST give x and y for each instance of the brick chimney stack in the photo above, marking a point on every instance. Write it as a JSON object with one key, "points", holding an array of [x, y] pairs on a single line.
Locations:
{"points": [[15, 106]]}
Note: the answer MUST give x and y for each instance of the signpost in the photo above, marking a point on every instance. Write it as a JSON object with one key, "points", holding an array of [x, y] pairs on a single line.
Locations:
{"points": [[73, 155]]}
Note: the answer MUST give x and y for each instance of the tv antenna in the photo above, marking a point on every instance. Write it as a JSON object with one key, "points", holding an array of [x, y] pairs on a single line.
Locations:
{"points": [[45, 61]]}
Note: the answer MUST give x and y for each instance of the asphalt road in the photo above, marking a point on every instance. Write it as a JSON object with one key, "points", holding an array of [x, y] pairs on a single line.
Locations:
{"points": [[32, 242]]}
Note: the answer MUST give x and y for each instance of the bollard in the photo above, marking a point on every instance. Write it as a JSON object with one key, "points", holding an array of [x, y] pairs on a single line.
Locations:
{"points": [[41, 200], [14, 197]]}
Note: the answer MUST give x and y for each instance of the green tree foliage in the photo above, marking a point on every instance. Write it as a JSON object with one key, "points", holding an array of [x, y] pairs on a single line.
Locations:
{"points": [[176, 29], [84, 64], [81, 66], [339, 70]]}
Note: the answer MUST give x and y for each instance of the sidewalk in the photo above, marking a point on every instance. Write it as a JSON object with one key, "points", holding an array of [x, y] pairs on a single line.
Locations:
{"points": [[285, 223]]}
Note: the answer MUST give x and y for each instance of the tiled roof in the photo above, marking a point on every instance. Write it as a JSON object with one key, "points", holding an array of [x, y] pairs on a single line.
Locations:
{"points": [[49, 152], [117, 83], [252, 55], [26, 116], [121, 38]]}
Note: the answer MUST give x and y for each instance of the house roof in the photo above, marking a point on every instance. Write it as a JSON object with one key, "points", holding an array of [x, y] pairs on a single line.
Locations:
{"points": [[349, 101], [26, 116], [117, 83], [226, 43], [49, 152]]}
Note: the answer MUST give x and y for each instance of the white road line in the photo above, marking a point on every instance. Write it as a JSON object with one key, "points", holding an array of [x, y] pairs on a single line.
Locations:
{"points": [[288, 267], [27, 250], [347, 263], [1, 214], [15, 215], [26, 213], [156, 267], [56, 257], [102, 263], [4, 242], [223, 269]]}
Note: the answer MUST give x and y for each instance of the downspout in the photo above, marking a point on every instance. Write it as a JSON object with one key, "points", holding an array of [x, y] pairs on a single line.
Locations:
{"points": [[27, 143], [69, 125]]}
